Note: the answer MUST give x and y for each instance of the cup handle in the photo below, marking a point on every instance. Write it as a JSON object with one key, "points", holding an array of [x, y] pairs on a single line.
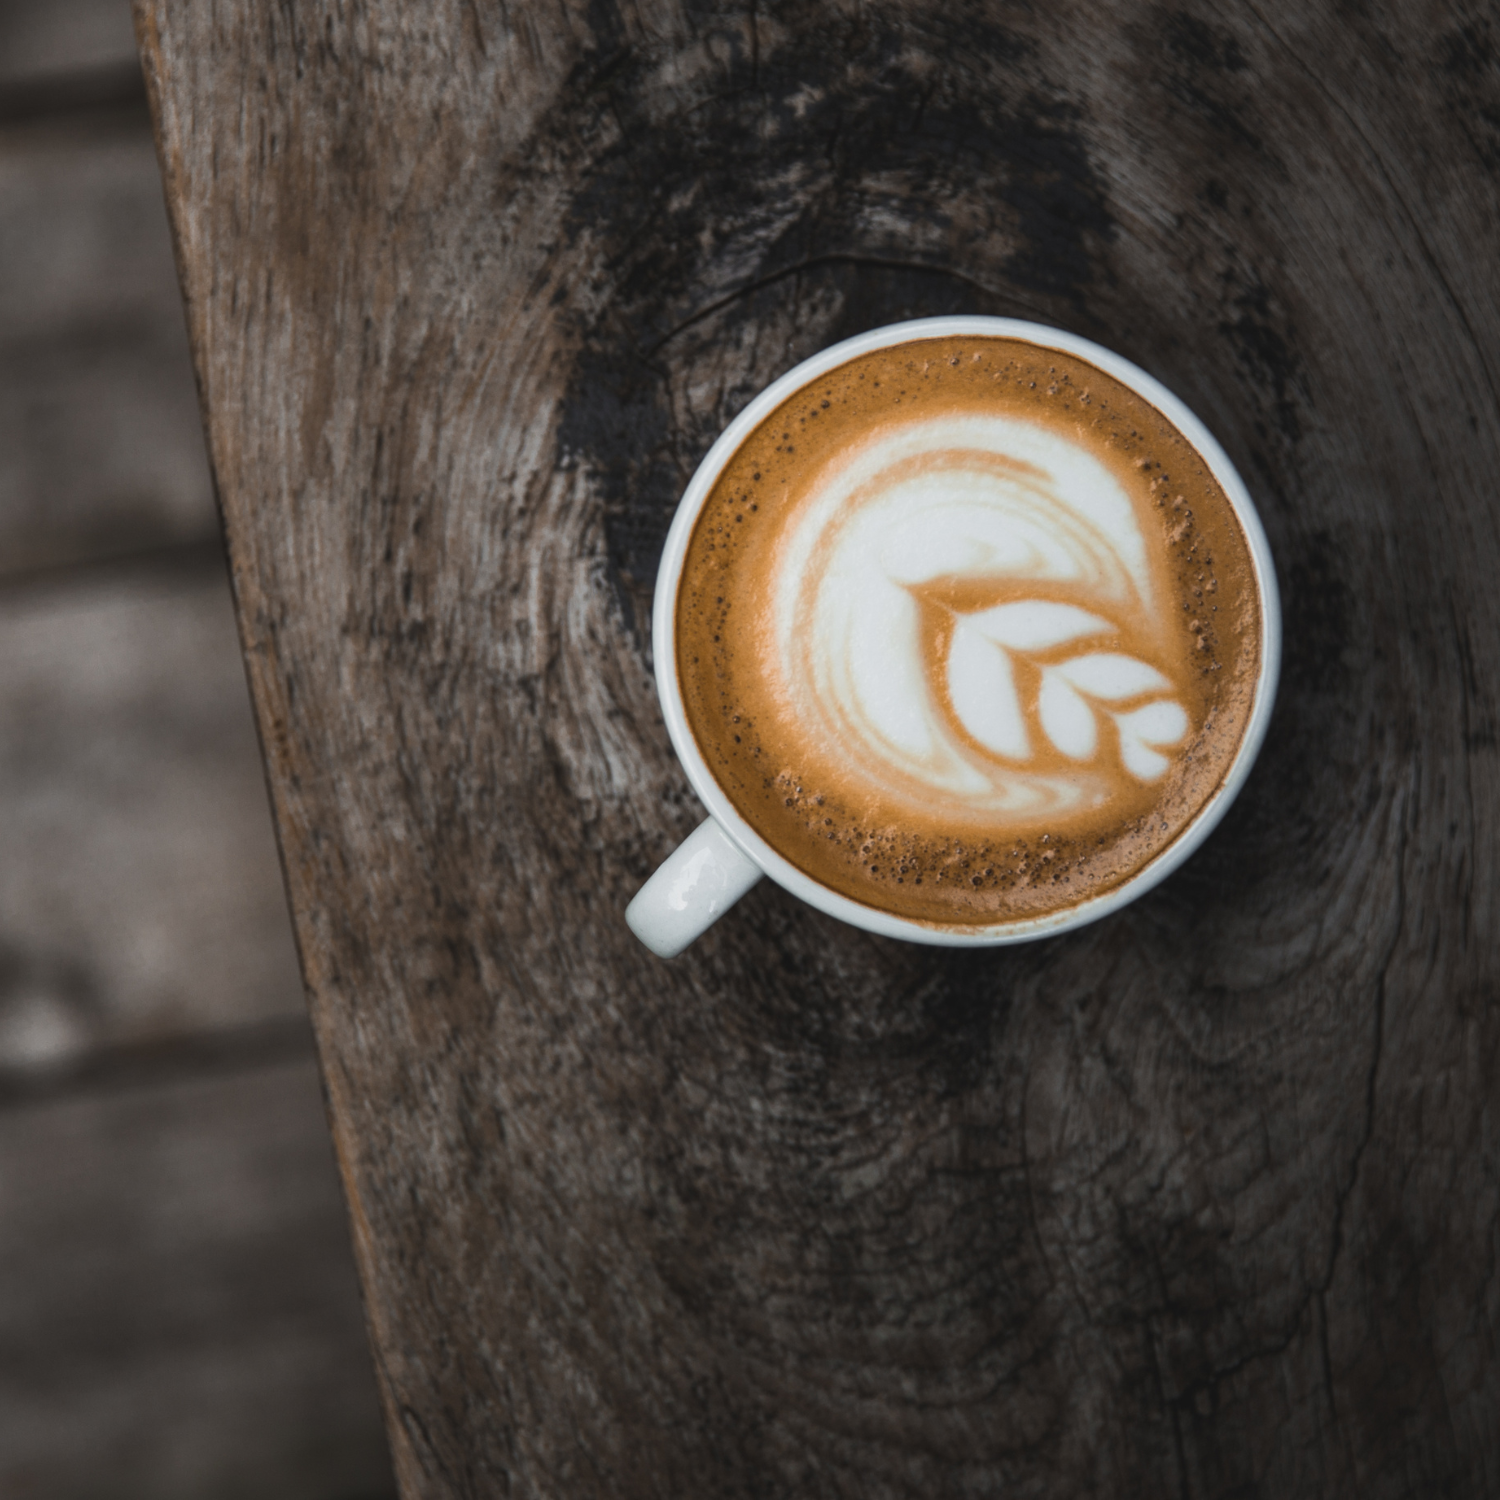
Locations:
{"points": [[701, 879]]}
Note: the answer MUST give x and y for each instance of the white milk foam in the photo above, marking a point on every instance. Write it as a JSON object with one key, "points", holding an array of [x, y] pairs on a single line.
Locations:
{"points": [[975, 498]]}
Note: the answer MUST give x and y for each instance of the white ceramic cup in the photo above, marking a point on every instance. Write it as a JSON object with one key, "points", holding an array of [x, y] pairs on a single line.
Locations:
{"points": [[725, 856]]}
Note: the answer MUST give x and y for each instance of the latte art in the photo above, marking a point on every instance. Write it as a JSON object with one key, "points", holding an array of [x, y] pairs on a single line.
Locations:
{"points": [[976, 705], [988, 706], [967, 631]]}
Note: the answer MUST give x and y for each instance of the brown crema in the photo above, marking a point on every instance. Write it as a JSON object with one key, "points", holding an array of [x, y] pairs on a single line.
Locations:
{"points": [[1182, 643]]}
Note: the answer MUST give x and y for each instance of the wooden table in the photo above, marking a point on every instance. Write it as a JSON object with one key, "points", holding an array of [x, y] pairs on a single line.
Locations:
{"points": [[1201, 1200]]}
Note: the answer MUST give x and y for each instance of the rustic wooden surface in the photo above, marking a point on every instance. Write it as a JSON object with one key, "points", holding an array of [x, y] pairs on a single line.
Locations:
{"points": [[1199, 1201], [193, 1330], [178, 1310], [45, 42], [100, 448]]}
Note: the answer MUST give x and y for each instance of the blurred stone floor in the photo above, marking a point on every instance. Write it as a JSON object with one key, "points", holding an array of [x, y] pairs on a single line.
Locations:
{"points": [[178, 1309]]}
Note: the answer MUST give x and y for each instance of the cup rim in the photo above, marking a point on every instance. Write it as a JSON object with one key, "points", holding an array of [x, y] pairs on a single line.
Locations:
{"points": [[776, 865]]}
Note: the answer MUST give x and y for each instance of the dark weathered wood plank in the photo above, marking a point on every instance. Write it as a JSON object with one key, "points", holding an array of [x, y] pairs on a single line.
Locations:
{"points": [[140, 899], [178, 1313], [177, 1317], [52, 40], [101, 446], [1202, 1200]]}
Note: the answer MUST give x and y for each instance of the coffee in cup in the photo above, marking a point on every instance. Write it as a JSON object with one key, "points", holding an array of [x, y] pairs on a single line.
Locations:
{"points": [[968, 631]]}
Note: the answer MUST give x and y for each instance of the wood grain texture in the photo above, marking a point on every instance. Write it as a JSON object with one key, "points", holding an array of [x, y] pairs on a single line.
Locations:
{"points": [[177, 1314], [1198, 1201], [140, 901], [51, 40], [101, 448], [178, 1308]]}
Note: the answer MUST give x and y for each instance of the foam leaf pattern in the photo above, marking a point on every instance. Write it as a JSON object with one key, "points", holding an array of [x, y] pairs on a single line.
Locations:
{"points": [[1068, 720], [1164, 722], [1074, 692], [1111, 676], [982, 686], [884, 535], [1035, 624]]}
